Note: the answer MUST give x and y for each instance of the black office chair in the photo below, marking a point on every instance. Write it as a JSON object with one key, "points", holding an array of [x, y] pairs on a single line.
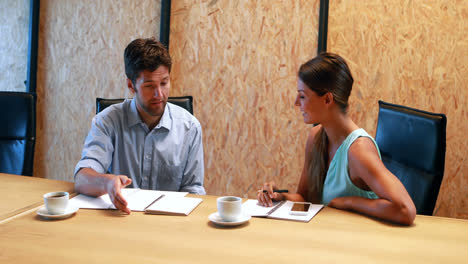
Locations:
{"points": [[17, 132], [182, 101], [412, 145]]}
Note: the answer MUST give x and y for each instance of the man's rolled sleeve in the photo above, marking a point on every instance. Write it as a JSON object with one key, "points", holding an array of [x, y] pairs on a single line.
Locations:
{"points": [[193, 176], [98, 147]]}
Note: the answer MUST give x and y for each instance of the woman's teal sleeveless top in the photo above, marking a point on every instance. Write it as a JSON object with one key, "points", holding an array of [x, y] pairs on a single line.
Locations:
{"points": [[337, 183]]}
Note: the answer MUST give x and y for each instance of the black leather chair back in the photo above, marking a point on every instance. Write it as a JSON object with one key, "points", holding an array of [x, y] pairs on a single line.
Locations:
{"points": [[412, 144], [182, 101], [17, 132]]}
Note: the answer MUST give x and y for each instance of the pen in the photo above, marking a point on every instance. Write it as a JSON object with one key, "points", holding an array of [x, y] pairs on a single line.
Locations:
{"points": [[277, 191]]}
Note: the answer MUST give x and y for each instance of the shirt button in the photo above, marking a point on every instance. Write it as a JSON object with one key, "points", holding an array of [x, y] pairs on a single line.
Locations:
{"points": [[147, 157]]}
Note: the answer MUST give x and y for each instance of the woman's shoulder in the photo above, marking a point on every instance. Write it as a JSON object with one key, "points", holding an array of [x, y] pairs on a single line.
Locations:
{"points": [[363, 152], [363, 143]]}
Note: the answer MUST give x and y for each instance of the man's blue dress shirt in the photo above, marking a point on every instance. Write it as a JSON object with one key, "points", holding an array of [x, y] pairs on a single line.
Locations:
{"points": [[169, 157]]}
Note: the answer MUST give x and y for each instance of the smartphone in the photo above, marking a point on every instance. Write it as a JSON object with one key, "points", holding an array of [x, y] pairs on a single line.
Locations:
{"points": [[300, 208]]}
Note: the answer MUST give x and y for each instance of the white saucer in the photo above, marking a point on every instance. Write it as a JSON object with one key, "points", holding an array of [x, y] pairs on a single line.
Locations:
{"points": [[215, 218], [68, 212]]}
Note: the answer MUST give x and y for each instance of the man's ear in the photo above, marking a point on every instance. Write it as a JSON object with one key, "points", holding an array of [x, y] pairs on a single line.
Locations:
{"points": [[130, 86]]}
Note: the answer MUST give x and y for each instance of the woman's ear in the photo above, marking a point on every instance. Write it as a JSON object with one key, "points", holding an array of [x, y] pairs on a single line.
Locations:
{"points": [[328, 98]]}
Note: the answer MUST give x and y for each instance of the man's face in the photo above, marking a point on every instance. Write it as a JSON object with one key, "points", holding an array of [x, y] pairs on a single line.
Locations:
{"points": [[151, 91]]}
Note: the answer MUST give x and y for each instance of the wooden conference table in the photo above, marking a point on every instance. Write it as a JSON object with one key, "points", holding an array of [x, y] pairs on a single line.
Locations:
{"points": [[21, 193], [332, 236]]}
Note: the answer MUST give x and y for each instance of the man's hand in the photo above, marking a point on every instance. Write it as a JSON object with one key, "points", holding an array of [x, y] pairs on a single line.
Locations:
{"points": [[114, 190]]}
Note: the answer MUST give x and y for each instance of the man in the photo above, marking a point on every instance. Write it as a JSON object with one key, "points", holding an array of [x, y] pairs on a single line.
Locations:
{"points": [[144, 142]]}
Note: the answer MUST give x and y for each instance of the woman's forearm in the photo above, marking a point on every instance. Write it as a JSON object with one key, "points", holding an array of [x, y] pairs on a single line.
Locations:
{"points": [[384, 209], [295, 197]]}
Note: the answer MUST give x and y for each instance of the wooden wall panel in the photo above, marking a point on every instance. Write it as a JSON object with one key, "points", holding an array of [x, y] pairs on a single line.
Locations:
{"points": [[81, 46], [239, 59], [413, 53], [14, 35]]}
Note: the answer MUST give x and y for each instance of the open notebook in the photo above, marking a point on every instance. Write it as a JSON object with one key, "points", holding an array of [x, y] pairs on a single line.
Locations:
{"points": [[140, 200], [170, 205], [279, 210]]}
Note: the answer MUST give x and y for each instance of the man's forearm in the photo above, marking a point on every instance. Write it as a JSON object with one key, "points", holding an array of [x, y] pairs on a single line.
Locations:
{"points": [[194, 189], [90, 182]]}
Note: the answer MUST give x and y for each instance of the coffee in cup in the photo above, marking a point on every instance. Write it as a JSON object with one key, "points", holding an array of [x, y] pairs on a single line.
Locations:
{"points": [[56, 202], [229, 208]]}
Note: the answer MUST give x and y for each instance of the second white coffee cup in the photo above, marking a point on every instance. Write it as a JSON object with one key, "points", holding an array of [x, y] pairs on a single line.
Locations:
{"points": [[229, 208], [56, 202]]}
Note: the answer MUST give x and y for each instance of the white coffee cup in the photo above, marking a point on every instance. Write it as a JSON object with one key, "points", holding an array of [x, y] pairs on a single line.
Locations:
{"points": [[229, 208], [56, 202]]}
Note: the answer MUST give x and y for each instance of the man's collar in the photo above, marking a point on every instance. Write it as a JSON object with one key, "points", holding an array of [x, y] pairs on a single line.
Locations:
{"points": [[166, 120], [134, 117]]}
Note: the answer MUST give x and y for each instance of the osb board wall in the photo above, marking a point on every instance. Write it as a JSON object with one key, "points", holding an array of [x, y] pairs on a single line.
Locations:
{"points": [[14, 34], [239, 59], [413, 53], [81, 46]]}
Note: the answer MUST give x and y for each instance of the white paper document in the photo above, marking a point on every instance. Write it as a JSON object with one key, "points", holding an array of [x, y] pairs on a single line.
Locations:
{"points": [[252, 208], [137, 199], [279, 210]]}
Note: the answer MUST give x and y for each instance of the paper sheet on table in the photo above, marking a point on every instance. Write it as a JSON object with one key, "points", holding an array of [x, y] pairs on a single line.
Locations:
{"points": [[252, 208], [137, 199], [279, 210], [283, 212]]}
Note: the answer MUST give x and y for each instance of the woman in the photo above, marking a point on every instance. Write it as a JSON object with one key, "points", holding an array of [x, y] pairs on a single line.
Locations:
{"points": [[342, 167]]}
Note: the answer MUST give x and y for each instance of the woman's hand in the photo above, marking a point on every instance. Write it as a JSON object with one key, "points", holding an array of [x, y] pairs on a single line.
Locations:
{"points": [[266, 195]]}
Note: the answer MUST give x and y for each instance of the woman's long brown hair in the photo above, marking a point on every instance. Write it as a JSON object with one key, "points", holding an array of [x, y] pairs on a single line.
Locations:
{"points": [[325, 73]]}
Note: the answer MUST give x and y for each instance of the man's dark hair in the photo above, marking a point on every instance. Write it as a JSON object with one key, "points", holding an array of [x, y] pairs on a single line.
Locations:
{"points": [[145, 54]]}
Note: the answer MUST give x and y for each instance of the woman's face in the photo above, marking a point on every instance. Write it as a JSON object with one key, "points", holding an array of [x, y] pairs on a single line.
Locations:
{"points": [[310, 102]]}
